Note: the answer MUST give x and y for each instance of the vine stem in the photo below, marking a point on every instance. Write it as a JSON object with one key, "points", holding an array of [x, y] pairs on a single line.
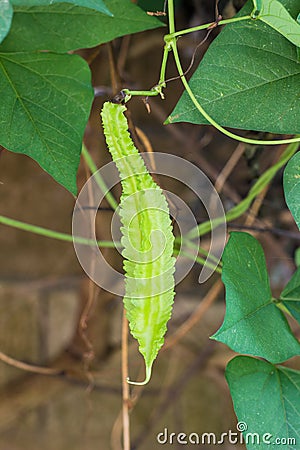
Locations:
{"points": [[201, 261], [55, 234]]}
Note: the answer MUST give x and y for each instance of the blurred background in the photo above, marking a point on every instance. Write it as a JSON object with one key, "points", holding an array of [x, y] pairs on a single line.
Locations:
{"points": [[52, 315]]}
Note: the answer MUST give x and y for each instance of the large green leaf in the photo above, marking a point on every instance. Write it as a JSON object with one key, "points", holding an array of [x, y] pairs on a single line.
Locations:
{"points": [[97, 5], [45, 104], [252, 324], [6, 14], [267, 403], [291, 185], [291, 295], [62, 27], [274, 14], [249, 78]]}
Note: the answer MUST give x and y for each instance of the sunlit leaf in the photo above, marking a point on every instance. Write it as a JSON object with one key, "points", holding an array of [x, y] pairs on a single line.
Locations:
{"points": [[6, 14], [273, 13]]}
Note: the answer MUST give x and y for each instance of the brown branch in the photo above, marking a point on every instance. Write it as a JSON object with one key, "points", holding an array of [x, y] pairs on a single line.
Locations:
{"points": [[199, 312], [125, 385], [29, 367], [229, 166]]}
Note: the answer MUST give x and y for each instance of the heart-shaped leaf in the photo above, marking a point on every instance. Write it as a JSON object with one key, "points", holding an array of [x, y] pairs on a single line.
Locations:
{"points": [[253, 324], [267, 403], [44, 108], [249, 78], [62, 27]]}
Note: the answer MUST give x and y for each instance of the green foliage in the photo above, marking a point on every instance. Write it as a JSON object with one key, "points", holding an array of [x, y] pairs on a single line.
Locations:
{"points": [[253, 323], [267, 399], [6, 13], [291, 185], [274, 14], [147, 240], [62, 27], [46, 97], [97, 5], [44, 109], [248, 79]]}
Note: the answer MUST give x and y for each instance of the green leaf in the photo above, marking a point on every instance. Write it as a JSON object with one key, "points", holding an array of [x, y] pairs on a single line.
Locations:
{"points": [[249, 79], [274, 14], [291, 295], [44, 108], [62, 27], [252, 324], [291, 185], [267, 402], [6, 14], [97, 5]]}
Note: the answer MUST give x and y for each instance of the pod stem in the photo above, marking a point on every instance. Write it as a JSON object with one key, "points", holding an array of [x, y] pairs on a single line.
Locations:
{"points": [[146, 380]]}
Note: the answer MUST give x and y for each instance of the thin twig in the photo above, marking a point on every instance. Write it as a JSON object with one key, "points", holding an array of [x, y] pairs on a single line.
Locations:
{"points": [[229, 166], [147, 146], [125, 385], [29, 367], [256, 205], [199, 312], [116, 432], [285, 233], [89, 305], [114, 74], [123, 53]]}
